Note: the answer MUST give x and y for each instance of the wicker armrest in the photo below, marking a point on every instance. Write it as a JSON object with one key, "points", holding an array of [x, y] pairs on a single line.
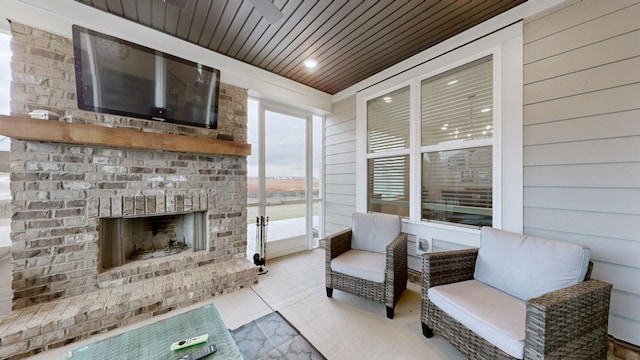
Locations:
{"points": [[396, 273], [448, 267], [397, 256], [398, 245], [338, 243], [568, 320]]}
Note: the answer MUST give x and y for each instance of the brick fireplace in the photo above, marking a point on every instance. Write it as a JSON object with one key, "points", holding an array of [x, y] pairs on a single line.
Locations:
{"points": [[64, 192], [65, 197]]}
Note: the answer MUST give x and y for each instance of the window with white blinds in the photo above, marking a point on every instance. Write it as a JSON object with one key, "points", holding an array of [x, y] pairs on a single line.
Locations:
{"points": [[456, 132], [389, 185], [457, 186], [456, 173], [388, 141], [457, 104], [388, 121]]}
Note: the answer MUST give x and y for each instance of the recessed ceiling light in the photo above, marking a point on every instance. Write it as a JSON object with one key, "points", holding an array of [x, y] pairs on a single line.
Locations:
{"points": [[486, 110], [310, 63], [452, 82], [387, 99]]}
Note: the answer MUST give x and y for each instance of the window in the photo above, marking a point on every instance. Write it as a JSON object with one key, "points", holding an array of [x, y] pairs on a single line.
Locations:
{"points": [[388, 185], [457, 132], [454, 136], [388, 142], [458, 164], [456, 186]]}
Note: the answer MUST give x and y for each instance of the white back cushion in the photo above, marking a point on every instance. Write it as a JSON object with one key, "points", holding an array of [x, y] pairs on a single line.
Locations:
{"points": [[526, 266], [373, 232]]}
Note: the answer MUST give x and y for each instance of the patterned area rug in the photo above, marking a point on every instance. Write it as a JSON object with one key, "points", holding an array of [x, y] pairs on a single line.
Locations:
{"points": [[272, 337]]}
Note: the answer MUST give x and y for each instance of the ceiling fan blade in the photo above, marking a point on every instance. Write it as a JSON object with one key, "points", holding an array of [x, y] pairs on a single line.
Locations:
{"points": [[178, 3], [269, 11]]}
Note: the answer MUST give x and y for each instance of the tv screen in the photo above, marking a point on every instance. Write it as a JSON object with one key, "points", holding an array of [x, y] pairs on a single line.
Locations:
{"points": [[118, 77]]}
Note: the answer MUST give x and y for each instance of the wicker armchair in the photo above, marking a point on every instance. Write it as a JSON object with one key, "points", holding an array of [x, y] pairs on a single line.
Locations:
{"points": [[569, 323], [389, 290]]}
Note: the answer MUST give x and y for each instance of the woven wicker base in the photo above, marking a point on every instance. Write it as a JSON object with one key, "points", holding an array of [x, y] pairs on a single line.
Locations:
{"points": [[387, 293]]}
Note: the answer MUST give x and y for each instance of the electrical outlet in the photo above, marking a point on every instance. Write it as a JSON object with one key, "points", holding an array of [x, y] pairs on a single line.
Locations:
{"points": [[423, 245]]}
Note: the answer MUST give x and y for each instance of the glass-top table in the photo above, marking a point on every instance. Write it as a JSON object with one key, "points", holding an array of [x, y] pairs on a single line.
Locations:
{"points": [[153, 341]]}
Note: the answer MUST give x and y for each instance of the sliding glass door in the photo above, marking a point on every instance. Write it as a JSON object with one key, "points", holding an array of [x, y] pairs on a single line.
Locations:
{"points": [[281, 179]]}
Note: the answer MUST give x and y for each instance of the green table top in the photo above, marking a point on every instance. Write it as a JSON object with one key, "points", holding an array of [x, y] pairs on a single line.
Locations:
{"points": [[153, 341]]}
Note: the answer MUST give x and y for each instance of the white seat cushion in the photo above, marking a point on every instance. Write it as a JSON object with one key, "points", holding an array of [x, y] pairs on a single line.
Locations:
{"points": [[366, 265], [527, 267], [494, 315], [373, 232]]}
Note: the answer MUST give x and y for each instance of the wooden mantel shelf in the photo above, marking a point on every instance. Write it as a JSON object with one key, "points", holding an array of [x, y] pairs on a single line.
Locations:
{"points": [[26, 128]]}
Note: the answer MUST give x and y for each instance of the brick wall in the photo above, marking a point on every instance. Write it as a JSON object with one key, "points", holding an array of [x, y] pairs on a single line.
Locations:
{"points": [[60, 190]]}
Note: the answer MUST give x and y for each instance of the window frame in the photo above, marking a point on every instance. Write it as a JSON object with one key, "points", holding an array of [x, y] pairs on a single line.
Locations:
{"points": [[469, 144], [506, 48], [288, 245], [390, 153]]}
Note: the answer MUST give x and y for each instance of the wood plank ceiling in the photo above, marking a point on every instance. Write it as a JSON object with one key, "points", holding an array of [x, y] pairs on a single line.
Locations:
{"points": [[350, 39]]}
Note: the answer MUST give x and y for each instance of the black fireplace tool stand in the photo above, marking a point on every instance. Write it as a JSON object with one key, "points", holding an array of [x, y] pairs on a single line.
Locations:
{"points": [[259, 258]]}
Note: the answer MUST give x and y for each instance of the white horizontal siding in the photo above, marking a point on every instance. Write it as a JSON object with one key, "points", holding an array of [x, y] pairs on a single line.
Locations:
{"points": [[615, 74], [344, 126], [340, 158], [346, 200], [620, 47], [594, 103], [340, 166], [558, 20], [625, 279], [343, 189], [583, 175], [340, 138], [340, 148], [341, 179], [341, 215], [625, 304], [584, 199], [602, 224], [610, 125], [581, 141], [594, 25], [618, 150]]}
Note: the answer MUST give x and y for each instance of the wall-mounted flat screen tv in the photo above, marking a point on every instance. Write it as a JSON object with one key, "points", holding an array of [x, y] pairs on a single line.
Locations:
{"points": [[118, 77]]}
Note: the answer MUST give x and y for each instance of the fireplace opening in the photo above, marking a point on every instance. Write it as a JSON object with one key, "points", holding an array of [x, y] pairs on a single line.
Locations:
{"points": [[127, 239]]}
